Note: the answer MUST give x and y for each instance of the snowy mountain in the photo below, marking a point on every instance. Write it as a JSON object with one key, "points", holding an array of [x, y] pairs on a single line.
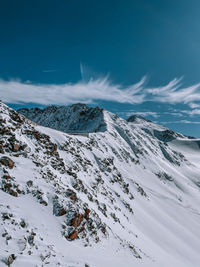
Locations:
{"points": [[77, 118], [126, 194]]}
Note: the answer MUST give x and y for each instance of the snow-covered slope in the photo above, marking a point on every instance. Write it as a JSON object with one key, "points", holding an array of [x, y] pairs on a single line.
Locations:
{"points": [[128, 195]]}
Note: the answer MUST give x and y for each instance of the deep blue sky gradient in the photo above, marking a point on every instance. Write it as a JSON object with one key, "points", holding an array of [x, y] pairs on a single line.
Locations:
{"points": [[44, 41]]}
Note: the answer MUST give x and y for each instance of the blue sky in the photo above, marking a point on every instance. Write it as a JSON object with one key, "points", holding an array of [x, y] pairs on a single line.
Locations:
{"points": [[133, 56]]}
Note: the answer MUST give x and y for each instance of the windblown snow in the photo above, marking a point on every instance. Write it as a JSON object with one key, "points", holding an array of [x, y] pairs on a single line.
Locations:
{"points": [[96, 190]]}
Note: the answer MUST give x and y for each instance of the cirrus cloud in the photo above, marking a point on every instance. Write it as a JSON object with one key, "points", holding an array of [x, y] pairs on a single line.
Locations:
{"points": [[16, 92]]}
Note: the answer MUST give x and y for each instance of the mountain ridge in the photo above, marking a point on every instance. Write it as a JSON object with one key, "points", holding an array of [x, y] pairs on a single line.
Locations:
{"points": [[119, 196], [77, 118]]}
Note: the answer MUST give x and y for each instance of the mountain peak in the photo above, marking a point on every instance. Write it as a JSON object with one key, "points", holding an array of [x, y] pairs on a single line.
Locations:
{"points": [[77, 118], [137, 118]]}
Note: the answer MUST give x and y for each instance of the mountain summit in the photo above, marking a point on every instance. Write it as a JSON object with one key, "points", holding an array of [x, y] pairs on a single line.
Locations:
{"points": [[77, 118], [128, 193]]}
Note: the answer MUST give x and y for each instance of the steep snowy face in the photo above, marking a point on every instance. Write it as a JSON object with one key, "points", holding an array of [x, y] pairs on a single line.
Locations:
{"points": [[127, 195], [77, 118], [160, 132]]}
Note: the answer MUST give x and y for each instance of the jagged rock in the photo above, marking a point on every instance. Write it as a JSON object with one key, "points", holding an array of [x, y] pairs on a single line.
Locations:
{"points": [[86, 215], [1, 149], [29, 183], [37, 135], [73, 197], [31, 238], [5, 216], [61, 212], [23, 223], [6, 161], [43, 202], [11, 258], [77, 220], [7, 177], [71, 194], [4, 131], [7, 187], [73, 220], [13, 193], [15, 147], [82, 228], [73, 235]]}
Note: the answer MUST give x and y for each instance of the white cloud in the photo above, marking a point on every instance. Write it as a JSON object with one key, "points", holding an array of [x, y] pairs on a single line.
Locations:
{"points": [[191, 112], [181, 121], [195, 112], [16, 92], [173, 92], [194, 105]]}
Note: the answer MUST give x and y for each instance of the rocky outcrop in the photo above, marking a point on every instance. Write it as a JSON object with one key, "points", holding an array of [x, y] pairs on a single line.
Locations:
{"points": [[73, 235], [11, 259], [86, 214], [61, 212], [76, 221], [15, 147], [6, 161], [1, 149]]}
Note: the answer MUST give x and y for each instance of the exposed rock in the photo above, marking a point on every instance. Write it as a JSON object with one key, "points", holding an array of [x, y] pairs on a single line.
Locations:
{"points": [[77, 220], [29, 183], [11, 258], [7, 177], [86, 215], [73, 235], [6, 161], [43, 202], [1, 149], [82, 228], [13, 193], [73, 197], [73, 220], [31, 238], [61, 212], [23, 223], [37, 135], [71, 194], [15, 147]]}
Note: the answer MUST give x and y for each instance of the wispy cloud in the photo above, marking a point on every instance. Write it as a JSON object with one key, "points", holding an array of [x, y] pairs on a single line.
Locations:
{"points": [[175, 92], [181, 121], [194, 105], [15, 91], [194, 112], [191, 112], [18, 92]]}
